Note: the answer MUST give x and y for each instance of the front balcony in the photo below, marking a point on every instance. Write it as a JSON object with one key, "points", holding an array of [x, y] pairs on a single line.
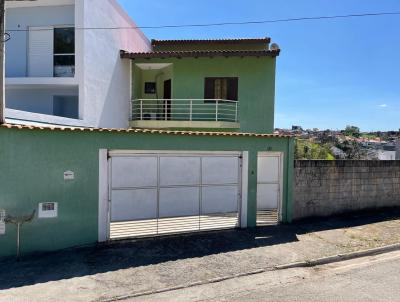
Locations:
{"points": [[184, 113]]}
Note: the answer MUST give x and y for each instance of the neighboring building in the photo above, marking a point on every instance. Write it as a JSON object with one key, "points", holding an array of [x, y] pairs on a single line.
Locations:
{"points": [[338, 153], [386, 155], [61, 70], [197, 153]]}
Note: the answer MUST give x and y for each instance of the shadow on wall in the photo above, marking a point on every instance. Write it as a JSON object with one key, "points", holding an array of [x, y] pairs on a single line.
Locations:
{"points": [[114, 112], [71, 263]]}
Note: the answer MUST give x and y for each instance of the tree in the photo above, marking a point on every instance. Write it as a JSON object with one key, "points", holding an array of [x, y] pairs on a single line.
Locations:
{"points": [[352, 131], [305, 149], [352, 149]]}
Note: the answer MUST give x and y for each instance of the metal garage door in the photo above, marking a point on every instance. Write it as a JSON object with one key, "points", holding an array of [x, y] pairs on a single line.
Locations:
{"points": [[165, 193], [269, 186]]}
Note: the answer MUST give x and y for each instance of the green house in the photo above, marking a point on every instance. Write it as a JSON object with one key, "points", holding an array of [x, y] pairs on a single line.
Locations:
{"points": [[200, 154], [205, 84]]}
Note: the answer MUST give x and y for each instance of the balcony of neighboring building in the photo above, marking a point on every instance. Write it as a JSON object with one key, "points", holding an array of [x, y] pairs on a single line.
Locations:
{"points": [[41, 48]]}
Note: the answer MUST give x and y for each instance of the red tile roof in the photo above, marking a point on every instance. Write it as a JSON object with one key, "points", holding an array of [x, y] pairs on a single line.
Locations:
{"points": [[155, 42], [148, 131], [200, 53]]}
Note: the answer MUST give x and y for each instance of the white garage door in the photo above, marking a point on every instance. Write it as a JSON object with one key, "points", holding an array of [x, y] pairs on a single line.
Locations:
{"points": [[163, 193], [269, 182]]}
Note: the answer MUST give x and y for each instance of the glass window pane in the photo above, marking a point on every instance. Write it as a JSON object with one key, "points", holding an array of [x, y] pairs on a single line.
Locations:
{"points": [[64, 40], [64, 66]]}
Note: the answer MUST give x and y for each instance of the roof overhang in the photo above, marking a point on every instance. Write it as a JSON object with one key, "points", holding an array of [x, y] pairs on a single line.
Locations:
{"points": [[142, 131], [199, 54], [210, 41]]}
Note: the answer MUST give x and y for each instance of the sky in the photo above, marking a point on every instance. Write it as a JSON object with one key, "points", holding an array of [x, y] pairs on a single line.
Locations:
{"points": [[331, 73]]}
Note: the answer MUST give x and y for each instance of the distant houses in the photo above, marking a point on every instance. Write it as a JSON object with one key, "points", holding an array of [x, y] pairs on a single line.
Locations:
{"points": [[373, 146]]}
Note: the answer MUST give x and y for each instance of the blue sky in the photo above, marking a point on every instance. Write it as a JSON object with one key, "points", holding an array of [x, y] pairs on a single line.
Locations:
{"points": [[330, 73]]}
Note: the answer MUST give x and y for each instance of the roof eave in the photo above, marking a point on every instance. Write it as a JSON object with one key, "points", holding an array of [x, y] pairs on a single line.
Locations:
{"points": [[198, 54], [156, 42], [143, 131]]}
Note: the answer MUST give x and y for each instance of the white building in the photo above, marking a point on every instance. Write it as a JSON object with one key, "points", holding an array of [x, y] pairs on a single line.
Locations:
{"points": [[386, 155], [62, 66], [398, 149]]}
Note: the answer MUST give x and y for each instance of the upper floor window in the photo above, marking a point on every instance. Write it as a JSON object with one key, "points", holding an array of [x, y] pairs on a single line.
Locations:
{"points": [[221, 89], [64, 52]]}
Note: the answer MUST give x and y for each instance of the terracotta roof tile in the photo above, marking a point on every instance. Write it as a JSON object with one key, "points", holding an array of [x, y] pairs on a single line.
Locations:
{"points": [[155, 42], [199, 53], [135, 130]]}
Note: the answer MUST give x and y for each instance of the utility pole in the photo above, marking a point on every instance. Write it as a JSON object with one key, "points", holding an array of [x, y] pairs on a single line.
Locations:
{"points": [[2, 62]]}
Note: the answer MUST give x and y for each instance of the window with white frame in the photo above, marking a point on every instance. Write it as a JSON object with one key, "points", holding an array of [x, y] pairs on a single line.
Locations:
{"points": [[64, 52]]}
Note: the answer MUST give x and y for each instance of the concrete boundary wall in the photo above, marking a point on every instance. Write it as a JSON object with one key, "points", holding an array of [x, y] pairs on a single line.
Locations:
{"points": [[323, 188]]}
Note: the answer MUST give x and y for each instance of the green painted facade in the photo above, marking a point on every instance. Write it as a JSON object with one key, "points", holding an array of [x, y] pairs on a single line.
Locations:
{"points": [[256, 88], [32, 163]]}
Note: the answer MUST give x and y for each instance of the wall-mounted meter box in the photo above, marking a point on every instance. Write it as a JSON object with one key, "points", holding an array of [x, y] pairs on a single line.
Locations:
{"points": [[48, 210], [2, 222]]}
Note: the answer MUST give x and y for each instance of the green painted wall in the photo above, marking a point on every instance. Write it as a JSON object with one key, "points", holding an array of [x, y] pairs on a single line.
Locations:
{"points": [[32, 163], [256, 85]]}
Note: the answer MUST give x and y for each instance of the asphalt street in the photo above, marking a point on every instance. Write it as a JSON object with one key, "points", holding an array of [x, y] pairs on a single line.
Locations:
{"points": [[375, 278]]}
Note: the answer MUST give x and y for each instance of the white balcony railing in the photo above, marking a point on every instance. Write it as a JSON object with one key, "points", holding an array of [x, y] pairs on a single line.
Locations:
{"points": [[185, 110]]}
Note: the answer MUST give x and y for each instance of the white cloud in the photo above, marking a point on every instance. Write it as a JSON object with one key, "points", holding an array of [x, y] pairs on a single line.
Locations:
{"points": [[383, 105]]}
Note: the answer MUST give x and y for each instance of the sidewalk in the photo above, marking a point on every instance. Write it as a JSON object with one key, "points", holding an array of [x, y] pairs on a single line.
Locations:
{"points": [[128, 268]]}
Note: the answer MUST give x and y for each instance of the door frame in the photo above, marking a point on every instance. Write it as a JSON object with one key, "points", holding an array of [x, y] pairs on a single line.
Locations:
{"points": [[105, 189], [167, 100], [281, 176]]}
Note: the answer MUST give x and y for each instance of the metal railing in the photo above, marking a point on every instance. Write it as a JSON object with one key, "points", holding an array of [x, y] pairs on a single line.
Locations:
{"points": [[185, 110]]}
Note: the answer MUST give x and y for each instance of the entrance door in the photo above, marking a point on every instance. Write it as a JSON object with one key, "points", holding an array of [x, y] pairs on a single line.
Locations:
{"points": [[269, 183], [167, 99], [164, 193]]}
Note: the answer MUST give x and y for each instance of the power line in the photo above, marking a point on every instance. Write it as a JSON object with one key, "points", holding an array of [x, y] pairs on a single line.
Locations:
{"points": [[226, 23]]}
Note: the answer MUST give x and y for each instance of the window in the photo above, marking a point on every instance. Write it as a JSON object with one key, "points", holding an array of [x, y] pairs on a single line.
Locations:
{"points": [[221, 89], [150, 87], [64, 52]]}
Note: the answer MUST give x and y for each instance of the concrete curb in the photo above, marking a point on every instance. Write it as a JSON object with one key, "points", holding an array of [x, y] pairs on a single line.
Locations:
{"points": [[340, 257], [308, 263]]}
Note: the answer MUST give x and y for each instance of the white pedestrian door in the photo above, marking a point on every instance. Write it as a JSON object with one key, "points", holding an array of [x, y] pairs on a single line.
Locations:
{"points": [[269, 182], [163, 193]]}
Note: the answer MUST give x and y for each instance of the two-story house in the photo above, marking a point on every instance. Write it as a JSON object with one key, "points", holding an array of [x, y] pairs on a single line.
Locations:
{"points": [[63, 67], [174, 135], [205, 84]]}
